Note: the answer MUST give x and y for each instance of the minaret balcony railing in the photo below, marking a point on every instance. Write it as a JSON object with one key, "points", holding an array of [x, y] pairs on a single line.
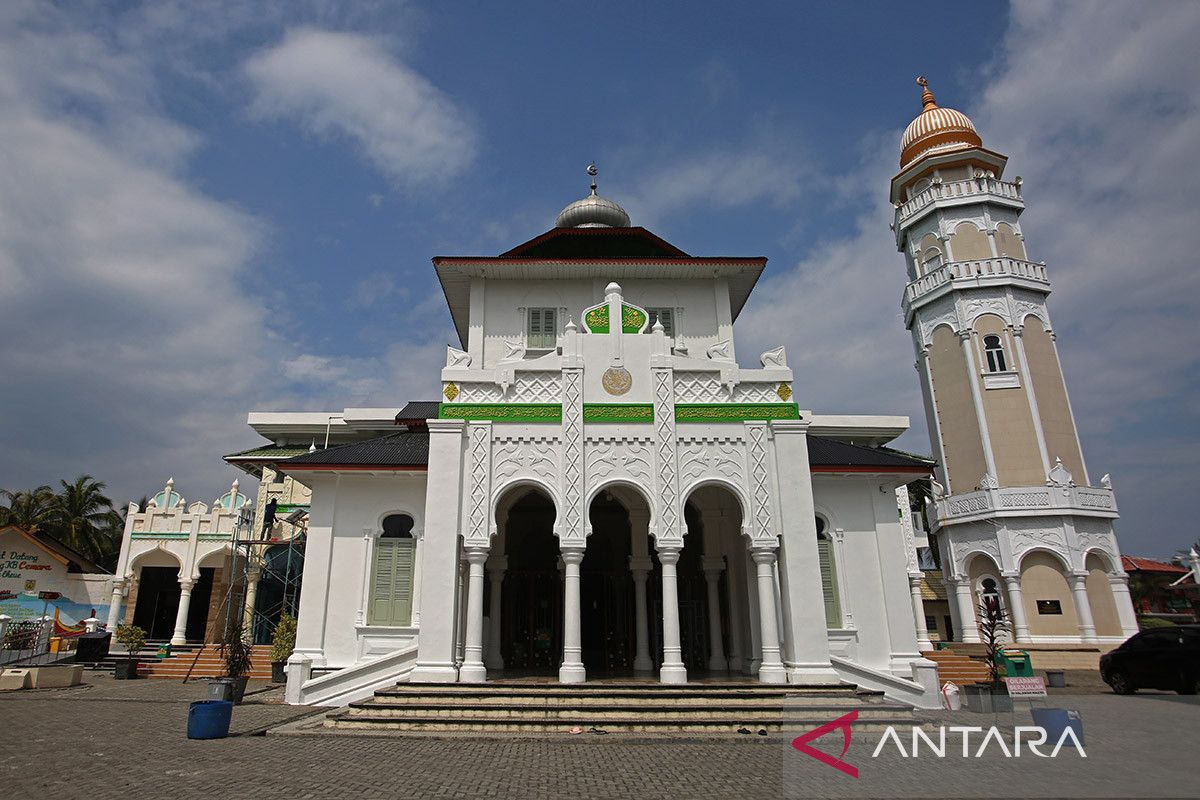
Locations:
{"points": [[976, 274], [1020, 501], [969, 190]]}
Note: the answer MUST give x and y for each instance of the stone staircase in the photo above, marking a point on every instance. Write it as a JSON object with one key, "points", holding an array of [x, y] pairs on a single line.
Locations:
{"points": [[207, 663], [508, 707], [957, 667], [206, 659]]}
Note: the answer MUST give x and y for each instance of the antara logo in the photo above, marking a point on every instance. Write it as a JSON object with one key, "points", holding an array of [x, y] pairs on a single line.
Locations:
{"points": [[1031, 737]]}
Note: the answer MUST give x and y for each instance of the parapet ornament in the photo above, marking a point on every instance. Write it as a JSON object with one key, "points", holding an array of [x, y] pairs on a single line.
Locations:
{"points": [[720, 351], [458, 359], [774, 358], [1059, 475]]}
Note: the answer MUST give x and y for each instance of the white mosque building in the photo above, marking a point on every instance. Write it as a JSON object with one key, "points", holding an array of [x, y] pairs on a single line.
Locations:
{"points": [[604, 490]]}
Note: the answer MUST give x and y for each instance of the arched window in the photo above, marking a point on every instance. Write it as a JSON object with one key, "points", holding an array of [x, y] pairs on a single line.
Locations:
{"points": [[392, 573], [989, 593], [995, 354], [829, 587], [931, 260]]}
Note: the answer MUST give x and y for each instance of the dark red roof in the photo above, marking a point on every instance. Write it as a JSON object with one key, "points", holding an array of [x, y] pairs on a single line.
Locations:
{"points": [[596, 243], [1133, 563]]}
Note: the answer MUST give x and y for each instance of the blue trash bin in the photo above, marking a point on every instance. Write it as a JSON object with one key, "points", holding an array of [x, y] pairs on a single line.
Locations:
{"points": [[209, 719], [1055, 720]]}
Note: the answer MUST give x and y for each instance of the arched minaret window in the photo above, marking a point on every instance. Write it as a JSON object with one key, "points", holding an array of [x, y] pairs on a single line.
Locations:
{"points": [[829, 587], [392, 572], [931, 260], [989, 593], [994, 350]]}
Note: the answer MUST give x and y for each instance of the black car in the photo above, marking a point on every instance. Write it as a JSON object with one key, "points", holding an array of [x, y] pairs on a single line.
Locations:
{"points": [[1160, 658]]}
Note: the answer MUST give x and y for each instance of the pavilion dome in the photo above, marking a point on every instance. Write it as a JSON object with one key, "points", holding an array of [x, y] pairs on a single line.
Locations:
{"points": [[592, 211], [936, 129]]}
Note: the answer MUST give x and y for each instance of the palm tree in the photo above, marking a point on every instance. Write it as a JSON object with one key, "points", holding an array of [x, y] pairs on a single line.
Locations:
{"points": [[84, 518], [28, 508]]}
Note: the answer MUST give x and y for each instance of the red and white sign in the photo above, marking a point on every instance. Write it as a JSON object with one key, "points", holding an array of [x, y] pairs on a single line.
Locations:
{"points": [[1026, 687]]}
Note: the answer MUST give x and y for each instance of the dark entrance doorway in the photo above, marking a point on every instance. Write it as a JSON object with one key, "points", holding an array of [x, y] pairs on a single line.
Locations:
{"points": [[197, 621], [693, 596], [531, 597], [606, 591], [157, 601]]}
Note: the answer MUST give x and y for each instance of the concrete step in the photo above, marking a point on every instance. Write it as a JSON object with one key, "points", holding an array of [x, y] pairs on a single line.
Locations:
{"points": [[534, 711], [671, 725], [523, 707], [555, 697]]}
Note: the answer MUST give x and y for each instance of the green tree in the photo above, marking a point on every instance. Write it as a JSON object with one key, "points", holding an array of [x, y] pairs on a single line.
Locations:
{"points": [[85, 520], [28, 508]]}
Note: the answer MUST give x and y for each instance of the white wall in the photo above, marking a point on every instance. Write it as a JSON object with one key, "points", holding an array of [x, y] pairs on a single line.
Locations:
{"points": [[336, 566], [871, 570], [503, 322]]}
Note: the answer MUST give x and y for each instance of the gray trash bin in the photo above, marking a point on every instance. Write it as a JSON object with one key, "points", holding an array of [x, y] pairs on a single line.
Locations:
{"points": [[220, 689]]}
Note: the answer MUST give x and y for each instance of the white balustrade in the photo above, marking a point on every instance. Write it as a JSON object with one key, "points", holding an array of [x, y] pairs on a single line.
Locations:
{"points": [[950, 190], [1020, 500], [975, 272]]}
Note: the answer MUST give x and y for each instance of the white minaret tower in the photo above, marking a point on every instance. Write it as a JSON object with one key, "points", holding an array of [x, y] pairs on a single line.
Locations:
{"points": [[1017, 518]]}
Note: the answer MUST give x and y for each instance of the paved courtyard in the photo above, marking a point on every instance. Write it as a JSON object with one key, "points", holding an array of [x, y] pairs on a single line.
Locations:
{"points": [[114, 739]]}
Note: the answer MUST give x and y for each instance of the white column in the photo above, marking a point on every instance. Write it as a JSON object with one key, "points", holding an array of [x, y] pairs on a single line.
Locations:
{"points": [[439, 553], [185, 601], [1087, 628], [771, 670], [416, 592], [114, 608], [252, 579], [804, 637], [918, 608], [751, 573], [640, 567], [572, 670], [716, 646], [4, 620], [1126, 613], [496, 567], [472, 670], [1016, 606], [460, 613], [977, 399], [968, 629], [673, 670]]}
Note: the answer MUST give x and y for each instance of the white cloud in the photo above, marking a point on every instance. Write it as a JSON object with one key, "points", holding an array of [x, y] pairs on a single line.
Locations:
{"points": [[1099, 111], [763, 171], [348, 85], [130, 349]]}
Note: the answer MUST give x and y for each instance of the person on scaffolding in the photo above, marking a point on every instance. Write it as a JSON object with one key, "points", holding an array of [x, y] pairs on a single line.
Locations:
{"points": [[269, 515]]}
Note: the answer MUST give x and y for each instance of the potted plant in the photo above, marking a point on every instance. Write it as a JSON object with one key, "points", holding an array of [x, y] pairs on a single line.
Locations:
{"points": [[991, 695], [133, 639], [282, 645], [235, 652]]}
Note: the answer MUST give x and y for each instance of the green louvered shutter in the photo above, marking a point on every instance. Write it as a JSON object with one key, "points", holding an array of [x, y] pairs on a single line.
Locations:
{"points": [[833, 608], [391, 582], [541, 328], [383, 582], [402, 587]]}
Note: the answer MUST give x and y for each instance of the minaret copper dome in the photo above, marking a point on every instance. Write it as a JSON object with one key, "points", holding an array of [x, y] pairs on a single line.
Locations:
{"points": [[936, 129]]}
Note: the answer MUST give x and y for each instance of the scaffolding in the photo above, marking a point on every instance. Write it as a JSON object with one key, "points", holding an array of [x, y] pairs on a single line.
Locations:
{"points": [[258, 561]]}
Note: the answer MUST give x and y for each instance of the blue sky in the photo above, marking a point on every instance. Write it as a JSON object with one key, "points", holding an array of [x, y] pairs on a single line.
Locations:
{"points": [[205, 210]]}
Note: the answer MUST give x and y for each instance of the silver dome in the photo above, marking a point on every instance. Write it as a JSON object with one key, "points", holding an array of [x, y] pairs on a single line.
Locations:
{"points": [[592, 211]]}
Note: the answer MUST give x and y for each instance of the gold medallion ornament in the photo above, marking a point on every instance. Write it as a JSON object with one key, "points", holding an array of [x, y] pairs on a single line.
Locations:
{"points": [[784, 391], [451, 392], [616, 380]]}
